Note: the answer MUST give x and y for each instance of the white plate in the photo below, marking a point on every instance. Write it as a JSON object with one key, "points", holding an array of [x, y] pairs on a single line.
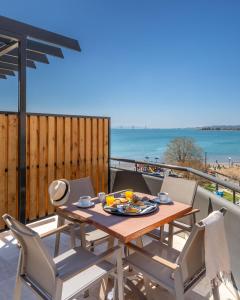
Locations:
{"points": [[85, 206]]}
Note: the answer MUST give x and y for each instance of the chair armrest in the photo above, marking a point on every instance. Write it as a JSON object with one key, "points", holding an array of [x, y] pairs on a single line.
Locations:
{"points": [[156, 258], [94, 261], [192, 212], [186, 227], [56, 230]]}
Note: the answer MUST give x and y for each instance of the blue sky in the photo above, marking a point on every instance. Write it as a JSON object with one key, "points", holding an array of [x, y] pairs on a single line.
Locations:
{"points": [[158, 63]]}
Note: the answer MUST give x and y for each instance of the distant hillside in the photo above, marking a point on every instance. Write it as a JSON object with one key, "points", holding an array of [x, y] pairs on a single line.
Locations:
{"points": [[221, 127]]}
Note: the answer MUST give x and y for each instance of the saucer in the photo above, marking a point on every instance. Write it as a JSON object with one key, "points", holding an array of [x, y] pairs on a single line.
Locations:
{"points": [[165, 201], [84, 205]]}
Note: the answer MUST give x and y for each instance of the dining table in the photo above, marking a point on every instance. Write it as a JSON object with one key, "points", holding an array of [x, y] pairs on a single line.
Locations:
{"points": [[124, 228]]}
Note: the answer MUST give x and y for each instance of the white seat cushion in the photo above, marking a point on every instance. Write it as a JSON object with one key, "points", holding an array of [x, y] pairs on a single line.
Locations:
{"points": [[157, 272], [75, 260]]}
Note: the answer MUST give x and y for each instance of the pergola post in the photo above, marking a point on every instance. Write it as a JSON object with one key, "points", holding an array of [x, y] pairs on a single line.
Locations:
{"points": [[22, 130]]}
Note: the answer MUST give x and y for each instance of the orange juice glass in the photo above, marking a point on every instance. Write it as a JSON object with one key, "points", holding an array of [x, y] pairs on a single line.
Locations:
{"points": [[110, 200], [129, 195]]}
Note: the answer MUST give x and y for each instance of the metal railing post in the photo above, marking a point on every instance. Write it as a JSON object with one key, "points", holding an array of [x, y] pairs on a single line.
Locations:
{"points": [[234, 197]]}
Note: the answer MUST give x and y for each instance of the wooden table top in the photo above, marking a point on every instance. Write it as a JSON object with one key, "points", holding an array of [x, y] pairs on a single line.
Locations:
{"points": [[125, 228]]}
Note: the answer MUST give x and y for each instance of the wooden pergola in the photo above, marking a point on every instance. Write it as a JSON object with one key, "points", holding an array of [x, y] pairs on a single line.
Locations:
{"points": [[21, 46]]}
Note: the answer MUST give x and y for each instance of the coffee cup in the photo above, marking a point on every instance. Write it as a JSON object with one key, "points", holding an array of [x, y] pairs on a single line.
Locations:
{"points": [[84, 201], [163, 196]]}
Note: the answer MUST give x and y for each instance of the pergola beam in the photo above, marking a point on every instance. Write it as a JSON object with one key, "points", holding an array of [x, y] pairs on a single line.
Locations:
{"points": [[39, 47], [8, 47], [44, 48], [14, 60], [39, 57], [7, 72], [8, 66], [39, 34]]}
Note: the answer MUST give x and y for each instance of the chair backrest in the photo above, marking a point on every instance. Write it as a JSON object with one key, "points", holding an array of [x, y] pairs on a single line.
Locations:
{"points": [[36, 263], [179, 189], [130, 180], [192, 257], [80, 187]]}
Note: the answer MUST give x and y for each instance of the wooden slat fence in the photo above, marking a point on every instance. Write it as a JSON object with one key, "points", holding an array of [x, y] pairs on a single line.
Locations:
{"points": [[57, 147]]}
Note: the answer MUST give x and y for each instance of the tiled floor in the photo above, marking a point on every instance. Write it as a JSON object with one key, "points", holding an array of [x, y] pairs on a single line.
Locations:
{"points": [[9, 258]]}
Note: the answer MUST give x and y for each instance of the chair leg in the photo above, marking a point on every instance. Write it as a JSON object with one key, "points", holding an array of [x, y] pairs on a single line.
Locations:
{"points": [[161, 232], [120, 274], [139, 242], [92, 246], [178, 284], [215, 291], [58, 290], [110, 243], [18, 287], [146, 282], [235, 287], [60, 222], [114, 288], [57, 244], [82, 235], [179, 296], [193, 219], [170, 235], [103, 288], [72, 237]]}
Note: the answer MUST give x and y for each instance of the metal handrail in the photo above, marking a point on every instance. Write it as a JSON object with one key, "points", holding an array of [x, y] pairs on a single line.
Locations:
{"points": [[218, 181]]}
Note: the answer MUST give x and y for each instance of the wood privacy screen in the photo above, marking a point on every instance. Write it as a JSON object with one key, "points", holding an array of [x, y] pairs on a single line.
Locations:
{"points": [[57, 147]]}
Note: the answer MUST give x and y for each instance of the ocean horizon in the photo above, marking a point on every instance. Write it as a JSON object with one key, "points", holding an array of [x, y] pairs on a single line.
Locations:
{"points": [[140, 143]]}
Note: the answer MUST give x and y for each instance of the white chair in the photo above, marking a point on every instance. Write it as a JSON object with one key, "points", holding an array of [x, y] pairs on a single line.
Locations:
{"points": [[63, 277], [184, 191], [126, 179], [88, 235], [171, 269]]}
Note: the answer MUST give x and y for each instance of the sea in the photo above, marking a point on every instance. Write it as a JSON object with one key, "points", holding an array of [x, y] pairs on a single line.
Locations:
{"points": [[219, 145]]}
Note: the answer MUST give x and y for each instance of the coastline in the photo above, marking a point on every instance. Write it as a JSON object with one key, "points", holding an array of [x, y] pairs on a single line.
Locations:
{"points": [[141, 143]]}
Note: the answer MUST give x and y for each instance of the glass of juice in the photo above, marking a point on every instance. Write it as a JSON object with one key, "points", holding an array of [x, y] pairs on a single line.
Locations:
{"points": [[129, 195], [110, 200]]}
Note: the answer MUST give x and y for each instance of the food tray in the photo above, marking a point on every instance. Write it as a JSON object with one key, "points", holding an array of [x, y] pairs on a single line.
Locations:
{"points": [[117, 211]]}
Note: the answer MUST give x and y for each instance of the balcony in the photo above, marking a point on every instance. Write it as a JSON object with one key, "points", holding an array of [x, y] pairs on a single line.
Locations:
{"points": [[39, 148], [9, 251]]}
